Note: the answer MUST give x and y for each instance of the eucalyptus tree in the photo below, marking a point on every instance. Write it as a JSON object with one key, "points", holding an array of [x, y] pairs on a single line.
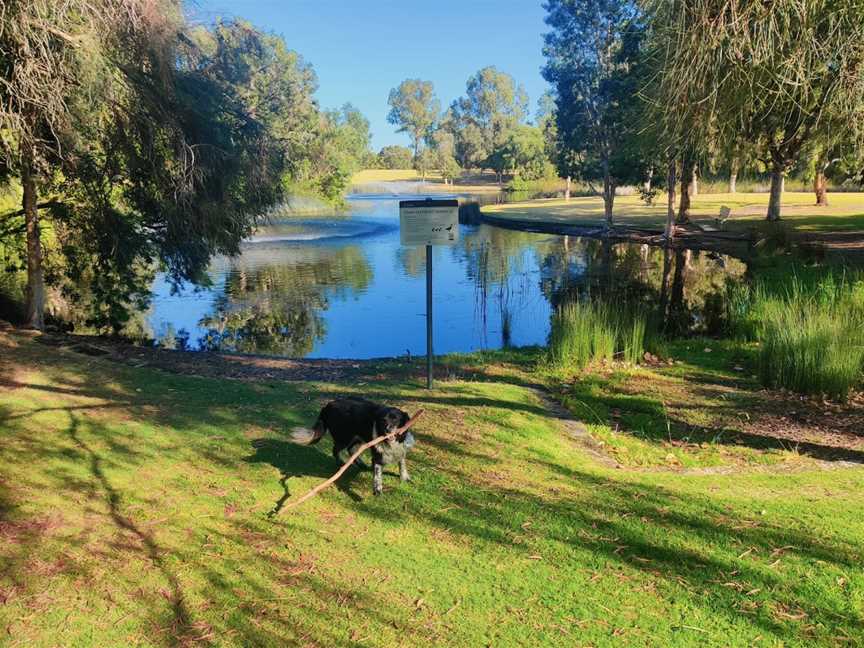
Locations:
{"points": [[414, 109], [395, 157], [776, 74], [493, 105], [592, 54]]}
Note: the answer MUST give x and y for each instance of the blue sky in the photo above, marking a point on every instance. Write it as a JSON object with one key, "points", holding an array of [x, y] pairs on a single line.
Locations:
{"points": [[361, 49]]}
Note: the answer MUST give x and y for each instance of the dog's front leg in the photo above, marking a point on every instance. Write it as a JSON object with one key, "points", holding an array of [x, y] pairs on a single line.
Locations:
{"points": [[403, 470], [377, 477]]}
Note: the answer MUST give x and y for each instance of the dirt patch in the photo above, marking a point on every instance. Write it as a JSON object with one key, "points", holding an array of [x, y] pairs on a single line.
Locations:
{"points": [[216, 365], [802, 421]]}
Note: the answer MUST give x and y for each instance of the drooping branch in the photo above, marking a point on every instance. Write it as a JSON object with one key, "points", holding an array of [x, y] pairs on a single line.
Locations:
{"points": [[49, 204]]}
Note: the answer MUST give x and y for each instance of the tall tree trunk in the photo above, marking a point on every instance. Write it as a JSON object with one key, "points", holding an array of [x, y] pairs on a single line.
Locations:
{"points": [[687, 167], [694, 182], [608, 194], [777, 173], [35, 280], [670, 205], [820, 186], [567, 189], [733, 176]]}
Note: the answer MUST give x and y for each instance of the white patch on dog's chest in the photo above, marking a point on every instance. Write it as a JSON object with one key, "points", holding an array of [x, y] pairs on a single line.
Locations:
{"points": [[392, 453]]}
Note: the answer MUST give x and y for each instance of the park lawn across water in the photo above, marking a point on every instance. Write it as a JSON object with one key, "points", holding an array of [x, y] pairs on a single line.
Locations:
{"points": [[844, 213], [388, 180], [134, 511]]}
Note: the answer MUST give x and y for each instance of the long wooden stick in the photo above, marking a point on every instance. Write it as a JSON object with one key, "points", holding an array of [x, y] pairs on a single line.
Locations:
{"points": [[363, 448]]}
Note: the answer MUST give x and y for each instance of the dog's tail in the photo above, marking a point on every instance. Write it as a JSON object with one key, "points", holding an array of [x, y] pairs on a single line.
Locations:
{"points": [[305, 436]]}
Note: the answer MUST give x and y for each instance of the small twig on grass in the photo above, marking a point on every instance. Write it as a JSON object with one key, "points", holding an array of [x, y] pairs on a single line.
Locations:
{"points": [[352, 458]]}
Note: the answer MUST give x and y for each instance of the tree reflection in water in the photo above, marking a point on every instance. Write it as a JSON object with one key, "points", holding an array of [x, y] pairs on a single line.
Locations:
{"points": [[684, 291], [274, 298]]}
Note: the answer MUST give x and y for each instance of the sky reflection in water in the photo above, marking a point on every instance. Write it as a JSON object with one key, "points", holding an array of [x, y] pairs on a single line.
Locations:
{"points": [[346, 288]]}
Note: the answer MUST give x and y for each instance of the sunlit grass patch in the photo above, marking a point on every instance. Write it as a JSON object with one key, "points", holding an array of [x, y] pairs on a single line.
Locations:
{"points": [[134, 509]]}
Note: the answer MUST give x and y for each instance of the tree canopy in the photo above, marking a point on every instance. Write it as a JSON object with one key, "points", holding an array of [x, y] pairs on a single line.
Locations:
{"points": [[592, 54], [414, 109], [155, 145], [780, 74], [493, 105]]}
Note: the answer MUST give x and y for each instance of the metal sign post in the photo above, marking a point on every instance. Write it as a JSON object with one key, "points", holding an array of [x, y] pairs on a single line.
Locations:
{"points": [[428, 222], [429, 349]]}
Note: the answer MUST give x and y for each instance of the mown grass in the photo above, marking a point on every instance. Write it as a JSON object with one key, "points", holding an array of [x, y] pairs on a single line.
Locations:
{"points": [[845, 212], [134, 511]]}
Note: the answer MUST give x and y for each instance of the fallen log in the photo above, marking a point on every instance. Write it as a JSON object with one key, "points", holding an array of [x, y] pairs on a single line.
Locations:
{"points": [[363, 448]]}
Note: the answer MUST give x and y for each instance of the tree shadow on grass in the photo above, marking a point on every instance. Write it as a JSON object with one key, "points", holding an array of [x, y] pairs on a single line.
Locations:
{"points": [[181, 628], [724, 562], [292, 460], [656, 420]]}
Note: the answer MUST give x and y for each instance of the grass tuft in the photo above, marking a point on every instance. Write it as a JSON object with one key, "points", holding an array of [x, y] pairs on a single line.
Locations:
{"points": [[811, 334], [586, 332]]}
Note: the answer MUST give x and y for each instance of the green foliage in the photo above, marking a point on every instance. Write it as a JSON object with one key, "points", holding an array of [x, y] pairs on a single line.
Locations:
{"points": [[482, 120], [585, 332], [522, 154], [779, 79], [174, 143], [595, 64], [395, 157], [414, 109], [443, 145], [811, 335]]}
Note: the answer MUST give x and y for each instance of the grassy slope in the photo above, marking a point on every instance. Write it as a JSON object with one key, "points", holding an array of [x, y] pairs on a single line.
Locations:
{"points": [[133, 510], [845, 212]]}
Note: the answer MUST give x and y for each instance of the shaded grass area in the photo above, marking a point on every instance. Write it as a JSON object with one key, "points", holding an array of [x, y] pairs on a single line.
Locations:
{"points": [[845, 212], [134, 509]]}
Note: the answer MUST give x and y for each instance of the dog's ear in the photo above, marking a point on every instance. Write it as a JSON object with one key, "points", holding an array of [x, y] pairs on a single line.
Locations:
{"points": [[403, 420]]}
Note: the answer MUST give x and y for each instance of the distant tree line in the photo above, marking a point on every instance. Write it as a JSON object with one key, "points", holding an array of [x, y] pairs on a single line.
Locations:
{"points": [[135, 142], [658, 92], [485, 129]]}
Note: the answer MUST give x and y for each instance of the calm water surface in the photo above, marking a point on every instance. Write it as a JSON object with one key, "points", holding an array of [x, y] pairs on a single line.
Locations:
{"points": [[344, 287]]}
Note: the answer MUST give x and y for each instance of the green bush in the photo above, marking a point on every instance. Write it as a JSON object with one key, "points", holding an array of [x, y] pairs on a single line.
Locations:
{"points": [[584, 332]]}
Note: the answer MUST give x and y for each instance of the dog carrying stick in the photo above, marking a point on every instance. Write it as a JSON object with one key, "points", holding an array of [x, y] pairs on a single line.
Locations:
{"points": [[345, 466]]}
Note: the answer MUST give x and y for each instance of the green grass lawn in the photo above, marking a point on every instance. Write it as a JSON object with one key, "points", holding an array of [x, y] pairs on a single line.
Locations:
{"points": [[134, 511], [844, 213]]}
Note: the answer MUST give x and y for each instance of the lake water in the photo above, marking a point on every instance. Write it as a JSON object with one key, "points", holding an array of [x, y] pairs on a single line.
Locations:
{"points": [[344, 287]]}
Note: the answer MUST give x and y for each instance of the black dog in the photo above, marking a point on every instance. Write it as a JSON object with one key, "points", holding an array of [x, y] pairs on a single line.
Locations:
{"points": [[354, 421]]}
